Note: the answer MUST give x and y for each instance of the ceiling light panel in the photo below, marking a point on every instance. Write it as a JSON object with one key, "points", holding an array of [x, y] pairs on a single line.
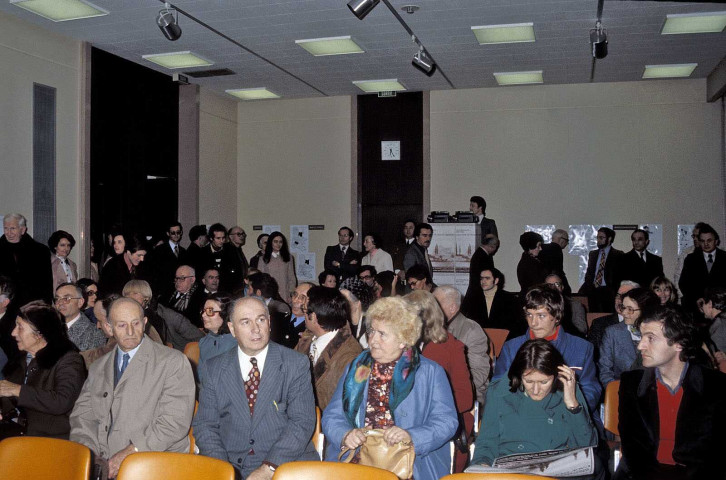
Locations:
{"points": [[669, 71], [174, 60], [330, 46], [61, 10], [512, 33], [712, 22], [372, 86], [259, 93], [519, 78]]}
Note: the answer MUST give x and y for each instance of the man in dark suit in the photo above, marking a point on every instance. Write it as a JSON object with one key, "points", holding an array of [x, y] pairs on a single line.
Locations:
{"points": [[417, 253], [639, 265], [166, 258], [25, 261], [188, 296], [401, 247], [478, 206], [256, 405], [672, 413], [552, 258], [483, 259], [500, 309], [218, 255], [342, 259], [198, 239], [239, 265], [704, 268], [600, 279]]}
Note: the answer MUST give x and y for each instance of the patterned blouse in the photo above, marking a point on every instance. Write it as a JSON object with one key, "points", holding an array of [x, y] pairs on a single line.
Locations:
{"points": [[378, 414]]}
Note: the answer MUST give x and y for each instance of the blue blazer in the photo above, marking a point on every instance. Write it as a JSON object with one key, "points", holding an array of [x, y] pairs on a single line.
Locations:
{"points": [[282, 426], [617, 353], [576, 352], [428, 414]]}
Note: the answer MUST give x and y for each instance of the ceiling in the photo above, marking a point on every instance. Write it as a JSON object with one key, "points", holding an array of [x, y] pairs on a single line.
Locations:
{"points": [[270, 27]]}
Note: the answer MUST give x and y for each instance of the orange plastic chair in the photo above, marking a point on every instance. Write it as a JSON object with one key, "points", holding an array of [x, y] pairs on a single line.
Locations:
{"points": [[38, 458], [494, 476], [612, 402], [191, 350], [318, 437], [192, 442], [329, 471], [179, 466], [497, 336]]}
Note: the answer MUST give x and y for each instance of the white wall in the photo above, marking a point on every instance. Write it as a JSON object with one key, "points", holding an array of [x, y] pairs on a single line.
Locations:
{"points": [[30, 55], [294, 167], [622, 153]]}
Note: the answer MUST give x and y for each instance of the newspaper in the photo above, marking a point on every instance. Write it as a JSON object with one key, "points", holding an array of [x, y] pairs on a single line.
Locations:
{"points": [[551, 463]]}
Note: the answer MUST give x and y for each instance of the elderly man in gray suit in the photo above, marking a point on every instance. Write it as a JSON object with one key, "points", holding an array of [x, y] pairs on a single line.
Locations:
{"points": [[138, 397], [69, 301], [256, 405]]}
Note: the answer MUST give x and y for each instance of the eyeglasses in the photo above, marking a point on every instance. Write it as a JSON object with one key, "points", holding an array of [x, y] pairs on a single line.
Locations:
{"points": [[64, 300], [629, 310], [365, 277], [210, 311], [239, 234], [91, 293], [180, 279], [555, 284], [370, 333], [175, 232], [301, 296]]}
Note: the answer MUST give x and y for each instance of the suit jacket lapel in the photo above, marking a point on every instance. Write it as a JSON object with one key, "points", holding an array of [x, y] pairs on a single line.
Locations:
{"points": [[232, 378], [271, 378], [648, 404]]}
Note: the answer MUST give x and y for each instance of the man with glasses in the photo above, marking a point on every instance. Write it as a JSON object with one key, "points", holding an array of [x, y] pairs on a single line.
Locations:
{"points": [[597, 329], [419, 278], [367, 273], [187, 298], [166, 257], [552, 258], [69, 301]]}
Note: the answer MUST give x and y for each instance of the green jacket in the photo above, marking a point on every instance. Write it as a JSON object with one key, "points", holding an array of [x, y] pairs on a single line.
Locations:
{"points": [[513, 423]]}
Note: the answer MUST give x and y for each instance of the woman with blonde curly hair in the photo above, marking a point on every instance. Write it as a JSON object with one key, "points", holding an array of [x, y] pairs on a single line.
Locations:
{"points": [[391, 387]]}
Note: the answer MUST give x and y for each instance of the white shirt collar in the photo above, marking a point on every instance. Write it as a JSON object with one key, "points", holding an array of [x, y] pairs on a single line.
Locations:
{"points": [[132, 352], [321, 342], [275, 254], [172, 245], [70, 324], [245, 365], [713, 255]]}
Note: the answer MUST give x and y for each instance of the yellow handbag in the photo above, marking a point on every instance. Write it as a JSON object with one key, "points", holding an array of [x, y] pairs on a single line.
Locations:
{"points": [[375, 452]]}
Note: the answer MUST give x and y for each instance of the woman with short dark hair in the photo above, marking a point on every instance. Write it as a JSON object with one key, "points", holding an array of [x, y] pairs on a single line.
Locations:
{"points": [[44, 381], [530, 271], [218, 339], [64, 269], [375, 255], [538, 407]]}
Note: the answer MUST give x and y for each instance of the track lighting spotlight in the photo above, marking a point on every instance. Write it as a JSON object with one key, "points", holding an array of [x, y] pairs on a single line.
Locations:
{"points": [[424, 62], [599, 41], [361, 8], [169, 25]]}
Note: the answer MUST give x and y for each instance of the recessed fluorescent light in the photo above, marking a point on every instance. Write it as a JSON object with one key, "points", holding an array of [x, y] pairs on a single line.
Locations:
{"points": [[669, 71], [258, 93], [519, 78], [61, 10], [371, 86], [330, 46], [512, 33], [711, 22], [178, 60]]}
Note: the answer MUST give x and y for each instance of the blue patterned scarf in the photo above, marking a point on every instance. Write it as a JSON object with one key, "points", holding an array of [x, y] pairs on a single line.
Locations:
{"points": [[357, 378]]}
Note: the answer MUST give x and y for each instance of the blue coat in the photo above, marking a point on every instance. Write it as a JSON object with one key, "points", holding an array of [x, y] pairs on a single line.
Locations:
{"points": [[617, 353], [576, 352], [282, 426], [212, 345], [428, 414]]}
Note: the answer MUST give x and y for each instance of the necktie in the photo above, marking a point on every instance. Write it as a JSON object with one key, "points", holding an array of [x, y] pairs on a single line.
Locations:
{"points": [[709, 264], [428, 262], [313, 351], [252, 385], [642, 255], [124, 364], [176, 251], [600, 270]]}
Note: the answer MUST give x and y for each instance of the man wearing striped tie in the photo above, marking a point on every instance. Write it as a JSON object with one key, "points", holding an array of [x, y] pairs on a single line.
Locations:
{"points": [[600, 282]]}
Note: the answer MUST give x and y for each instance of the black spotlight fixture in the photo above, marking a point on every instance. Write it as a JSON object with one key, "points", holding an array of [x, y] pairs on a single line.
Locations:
{"points": [[361, 8], [169, 25], [424, 62], [599, 41]]}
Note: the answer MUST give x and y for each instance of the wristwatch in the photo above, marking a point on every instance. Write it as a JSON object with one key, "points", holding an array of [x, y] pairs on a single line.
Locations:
{"points": [[575, 410], [271, 467]]}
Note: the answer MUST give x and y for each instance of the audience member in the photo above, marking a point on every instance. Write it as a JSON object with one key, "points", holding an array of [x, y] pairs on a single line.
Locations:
{"points": [[673, 412], [124, 267], [210, 280], [618, 350], [217, 339], [665, 290], [714, 309], [237, 239], [328, 279], [64, 269], [574, 318], [278, 262], [198, 238], [682, 256], [417, 253], [388, 284], [25, 261], [101, 312], [84, 334], [40, 387], [166, 258], [187, 297], [299, 302], [530, 271], [501, 309], [478, 206], [139, 397], [342, 259], [256, 405], [597, 329], [702, 269], [89, 288], [375, 255], [600, 279], [367, 273], [262, 245], [482, 259], [419, 278], [8, 313], [408, 396], [360, 296], [639, 265], [552, 258], [327, 340], [216, 255], [401, 246]]}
